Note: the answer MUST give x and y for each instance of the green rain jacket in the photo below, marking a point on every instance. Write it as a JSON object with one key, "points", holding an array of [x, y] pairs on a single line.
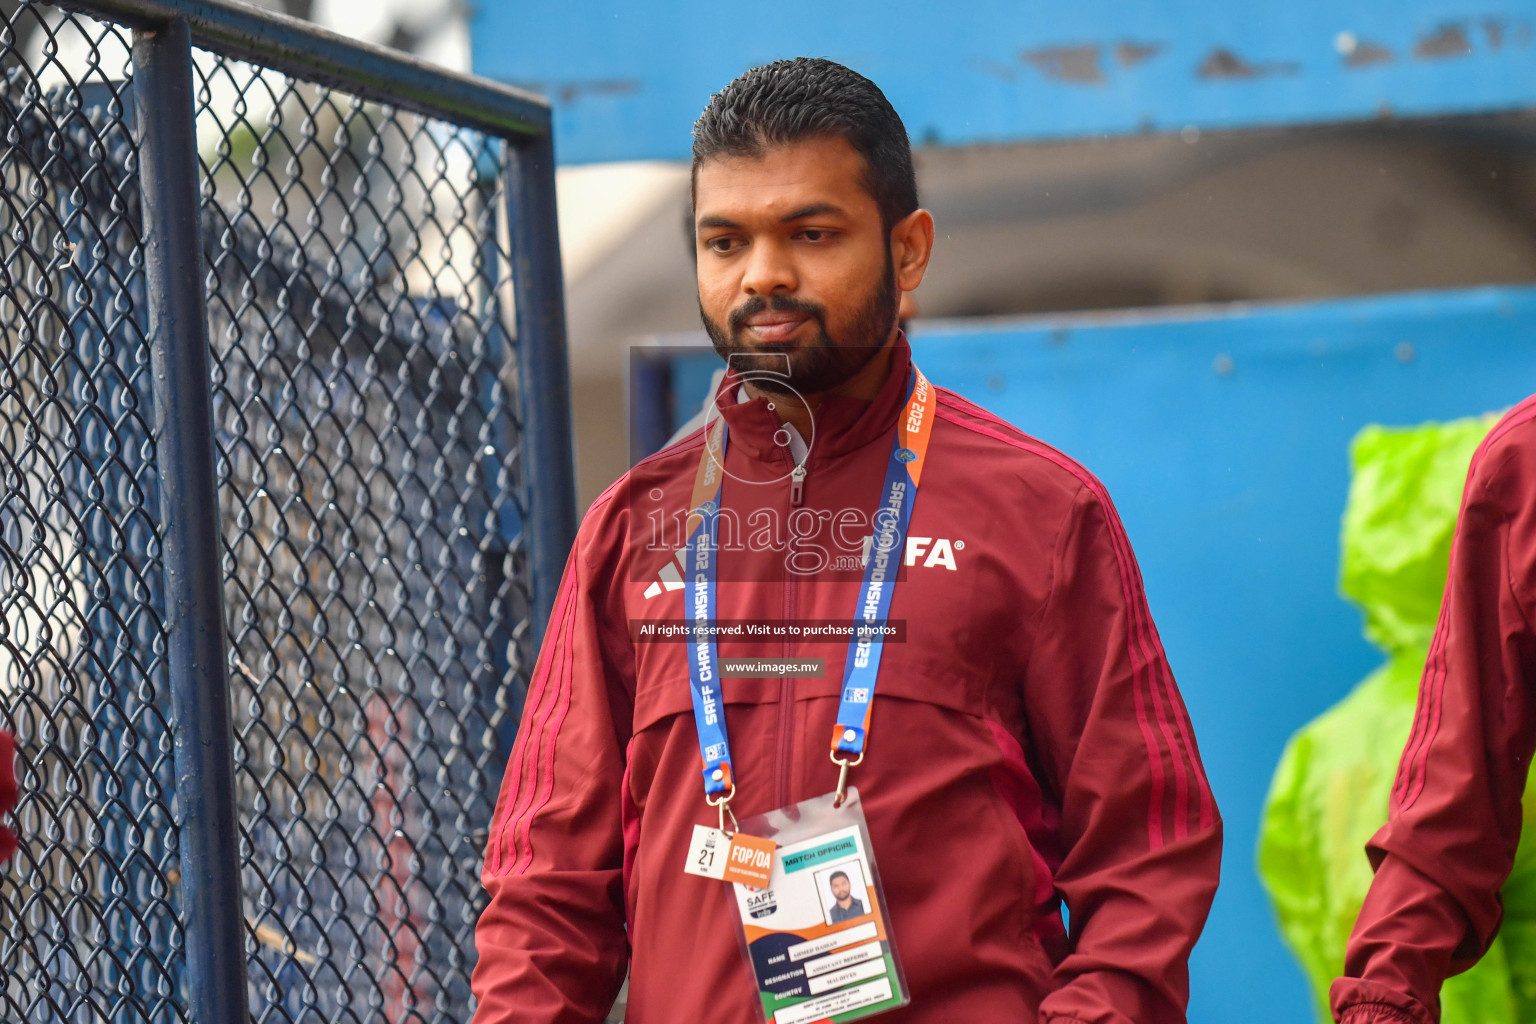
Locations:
{"points": [[1329, 794]]}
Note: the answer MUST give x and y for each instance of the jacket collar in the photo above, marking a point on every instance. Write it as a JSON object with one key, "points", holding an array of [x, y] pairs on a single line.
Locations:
{"points": [[841, 424]]}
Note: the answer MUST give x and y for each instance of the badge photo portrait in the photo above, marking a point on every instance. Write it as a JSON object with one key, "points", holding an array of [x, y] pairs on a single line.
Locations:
{"points": [[843, 891]]}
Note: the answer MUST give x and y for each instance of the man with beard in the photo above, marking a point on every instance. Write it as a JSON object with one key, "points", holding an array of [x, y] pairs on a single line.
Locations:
{"points": [[1027, 747], [845, 905]]}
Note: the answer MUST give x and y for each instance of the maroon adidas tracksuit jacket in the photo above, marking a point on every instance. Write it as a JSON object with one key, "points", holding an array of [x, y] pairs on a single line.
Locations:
{"points": [[1028, 745], [1454, 819]]}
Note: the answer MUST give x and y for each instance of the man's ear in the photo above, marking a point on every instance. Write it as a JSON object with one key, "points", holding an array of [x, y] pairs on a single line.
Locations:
{"points": [[911, 246]]}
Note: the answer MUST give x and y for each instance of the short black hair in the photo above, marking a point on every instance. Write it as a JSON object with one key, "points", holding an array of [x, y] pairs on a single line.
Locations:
{"points": [[806, 98], [839, 874]]}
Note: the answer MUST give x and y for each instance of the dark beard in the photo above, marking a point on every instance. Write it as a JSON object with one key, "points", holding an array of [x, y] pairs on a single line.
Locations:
{"points": [[823, 362]]}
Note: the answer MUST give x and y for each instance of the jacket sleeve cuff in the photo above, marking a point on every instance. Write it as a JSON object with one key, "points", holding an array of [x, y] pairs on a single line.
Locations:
{"points": [[1366, 1001], [1379, 1013]]}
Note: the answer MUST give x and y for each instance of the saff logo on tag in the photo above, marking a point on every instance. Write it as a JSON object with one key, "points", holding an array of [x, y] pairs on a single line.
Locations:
{"points": [[714, 752], [856, 695], [905, 455], [762, 904], [708, 507]]}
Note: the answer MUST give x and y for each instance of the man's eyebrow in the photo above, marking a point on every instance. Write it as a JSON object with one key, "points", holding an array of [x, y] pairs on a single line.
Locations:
{"points": [[814, 210]]}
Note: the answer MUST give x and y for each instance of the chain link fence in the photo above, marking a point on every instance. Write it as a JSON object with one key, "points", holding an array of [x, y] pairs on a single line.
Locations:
{"points": [[369, 432]]}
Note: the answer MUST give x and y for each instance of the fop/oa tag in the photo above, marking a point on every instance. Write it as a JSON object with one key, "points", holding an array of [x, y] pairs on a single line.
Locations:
{"points": [[740, 858]]}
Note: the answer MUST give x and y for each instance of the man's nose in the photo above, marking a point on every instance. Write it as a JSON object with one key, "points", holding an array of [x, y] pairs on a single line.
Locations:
{"points": [[769, 270]]}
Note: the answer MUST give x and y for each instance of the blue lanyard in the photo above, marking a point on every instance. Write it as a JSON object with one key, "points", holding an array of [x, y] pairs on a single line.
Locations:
{"points": [[887, 547], [703, 653]]}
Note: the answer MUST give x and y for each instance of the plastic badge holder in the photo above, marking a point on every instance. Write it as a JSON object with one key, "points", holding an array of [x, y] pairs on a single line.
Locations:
{"points": [[817, 938]]}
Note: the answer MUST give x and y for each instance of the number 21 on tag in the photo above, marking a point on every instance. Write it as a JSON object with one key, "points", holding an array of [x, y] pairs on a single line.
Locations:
{"points": [[730, 858]]}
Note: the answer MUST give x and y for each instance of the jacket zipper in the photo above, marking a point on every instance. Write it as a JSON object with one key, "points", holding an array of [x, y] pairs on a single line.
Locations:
{"points": [[786, 688]]}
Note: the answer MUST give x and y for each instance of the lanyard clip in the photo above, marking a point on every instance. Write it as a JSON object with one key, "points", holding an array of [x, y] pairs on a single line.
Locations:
{"points": [[724, 803], [842, 776]]}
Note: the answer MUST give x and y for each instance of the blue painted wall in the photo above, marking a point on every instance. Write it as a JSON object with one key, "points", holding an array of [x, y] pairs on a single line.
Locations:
{"points": [[628, 80], [1224, 441]]}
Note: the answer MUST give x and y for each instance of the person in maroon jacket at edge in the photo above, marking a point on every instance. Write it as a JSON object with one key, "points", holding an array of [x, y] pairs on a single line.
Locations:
{"points": [[1028, 746], [1454, 817]]}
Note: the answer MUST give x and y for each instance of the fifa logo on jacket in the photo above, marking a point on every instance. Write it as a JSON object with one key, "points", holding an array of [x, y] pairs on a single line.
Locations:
{"points": [[935, 552]]}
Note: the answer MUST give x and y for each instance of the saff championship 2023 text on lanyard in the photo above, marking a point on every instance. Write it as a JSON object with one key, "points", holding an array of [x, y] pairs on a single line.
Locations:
{"points": [[812, 916]]}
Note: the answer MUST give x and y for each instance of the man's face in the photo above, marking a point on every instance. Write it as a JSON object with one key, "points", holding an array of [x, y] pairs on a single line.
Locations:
{"points": [[794, 265], [840, 888]]}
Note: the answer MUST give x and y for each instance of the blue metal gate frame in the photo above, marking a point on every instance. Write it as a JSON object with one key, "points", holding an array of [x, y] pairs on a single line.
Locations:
{"points": [[164, 33]]}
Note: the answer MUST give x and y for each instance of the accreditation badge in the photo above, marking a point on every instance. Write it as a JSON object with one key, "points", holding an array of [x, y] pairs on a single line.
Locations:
{"points": [[816, 935]]}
